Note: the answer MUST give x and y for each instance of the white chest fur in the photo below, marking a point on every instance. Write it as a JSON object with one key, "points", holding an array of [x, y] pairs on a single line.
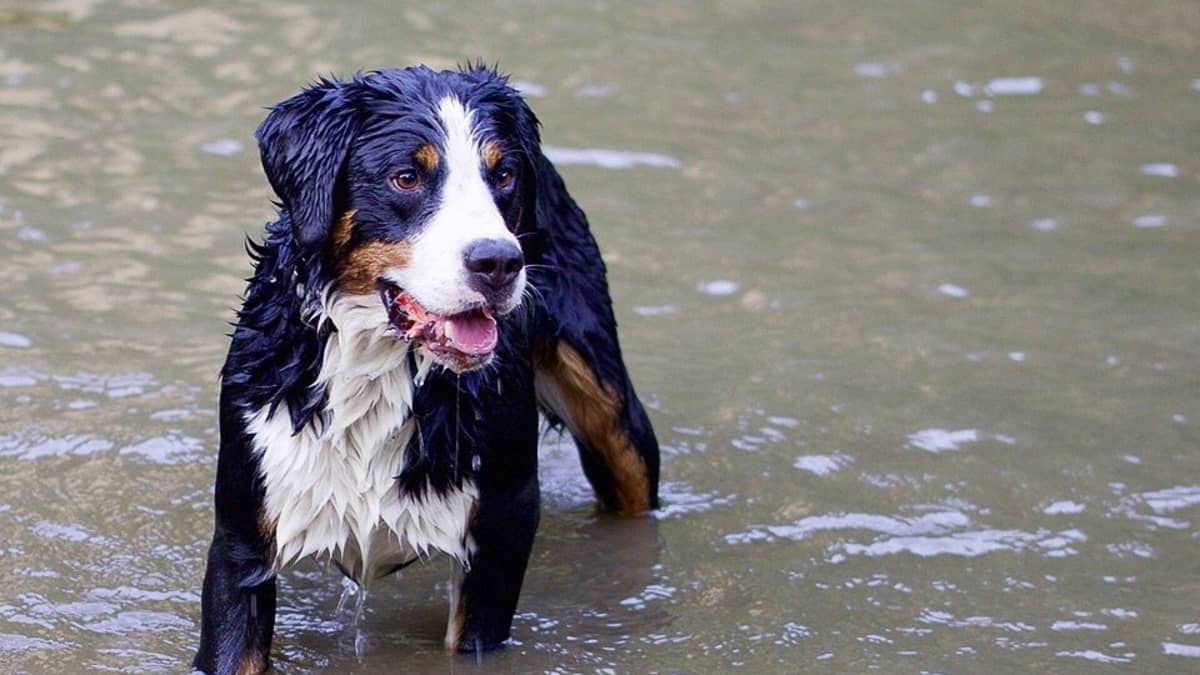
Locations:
{"points": [[331, 488]]}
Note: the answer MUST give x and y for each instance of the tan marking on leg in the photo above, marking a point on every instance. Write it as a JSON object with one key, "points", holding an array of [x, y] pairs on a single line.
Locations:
{"points": [[427, 157], [339, 237], [253, 663], [592, 413], [458, 613], [361, 267], [492, 154]]}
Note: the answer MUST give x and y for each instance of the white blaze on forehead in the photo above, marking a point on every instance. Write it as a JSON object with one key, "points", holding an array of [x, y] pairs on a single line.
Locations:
{"points": [[466, 213], [463, 156]]}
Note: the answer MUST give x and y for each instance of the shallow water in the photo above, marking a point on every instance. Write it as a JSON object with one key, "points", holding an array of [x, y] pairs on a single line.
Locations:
{"points": [[911, 289]]}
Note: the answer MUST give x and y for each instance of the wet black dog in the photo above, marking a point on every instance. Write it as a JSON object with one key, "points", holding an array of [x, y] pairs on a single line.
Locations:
{"points": [[428, 287]]}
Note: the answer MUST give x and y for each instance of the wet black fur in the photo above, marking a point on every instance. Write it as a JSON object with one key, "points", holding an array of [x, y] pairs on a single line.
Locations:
{"points": [[481, 425]]}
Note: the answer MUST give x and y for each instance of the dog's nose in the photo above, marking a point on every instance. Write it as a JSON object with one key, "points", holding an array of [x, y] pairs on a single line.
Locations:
{"points": [[492, 264]]}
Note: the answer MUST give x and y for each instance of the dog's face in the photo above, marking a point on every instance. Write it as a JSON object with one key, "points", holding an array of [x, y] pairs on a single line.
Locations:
{"points": [[414, 184]]}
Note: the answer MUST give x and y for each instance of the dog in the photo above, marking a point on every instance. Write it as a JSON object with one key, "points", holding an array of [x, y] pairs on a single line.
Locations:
{"points": [[428, 287]]}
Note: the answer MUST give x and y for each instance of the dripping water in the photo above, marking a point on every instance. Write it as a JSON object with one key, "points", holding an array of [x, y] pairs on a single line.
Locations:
{"points": [[352, 589]]}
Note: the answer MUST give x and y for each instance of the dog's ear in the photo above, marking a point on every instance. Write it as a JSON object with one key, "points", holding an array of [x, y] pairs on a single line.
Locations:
{"points": [[303, 143]]}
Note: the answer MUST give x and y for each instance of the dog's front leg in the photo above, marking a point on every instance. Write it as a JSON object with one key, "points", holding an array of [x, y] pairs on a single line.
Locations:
{"points": [[485, 597], [237, 611], [237, 604]]}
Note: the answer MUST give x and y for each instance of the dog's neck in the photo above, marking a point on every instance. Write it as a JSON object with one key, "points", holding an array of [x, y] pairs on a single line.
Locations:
{"points": [[330, 488]]}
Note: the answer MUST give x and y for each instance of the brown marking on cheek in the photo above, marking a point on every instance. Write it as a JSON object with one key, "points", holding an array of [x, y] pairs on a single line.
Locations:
{"points": [[253, 662], [339, 237], [492, 154], [362, 266], [427, 157], [592, 411]]}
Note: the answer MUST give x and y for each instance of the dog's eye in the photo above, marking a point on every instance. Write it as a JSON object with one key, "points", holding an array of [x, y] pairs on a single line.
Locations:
{"points": [[406, 181], [504, 178]]}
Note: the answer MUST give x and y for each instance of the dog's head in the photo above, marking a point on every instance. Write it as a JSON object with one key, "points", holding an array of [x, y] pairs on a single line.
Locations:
{"points": [[413, 185]]}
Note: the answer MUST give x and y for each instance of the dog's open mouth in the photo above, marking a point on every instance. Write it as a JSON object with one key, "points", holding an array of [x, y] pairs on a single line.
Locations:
{"points": [[461, 342]]}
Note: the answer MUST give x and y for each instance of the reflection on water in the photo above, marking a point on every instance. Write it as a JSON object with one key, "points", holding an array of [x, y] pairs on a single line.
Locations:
{"points": [[911, 292]]}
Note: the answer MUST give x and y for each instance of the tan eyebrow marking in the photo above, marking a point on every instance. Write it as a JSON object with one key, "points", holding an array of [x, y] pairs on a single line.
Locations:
{"points": [[427, 156], [492, 154]]}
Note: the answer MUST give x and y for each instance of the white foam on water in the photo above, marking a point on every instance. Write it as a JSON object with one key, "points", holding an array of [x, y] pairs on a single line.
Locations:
{"points": [[953, 291], [1077, 625], [609, 159], [1160, 169], [15, 340], [529, 89], [942, 440], [1063, 508], [1014, 86], [223, 147], [1150, 221], [1172, 499], [655, 310], [1098, 657], [1176, 649], [822, 465], [718, 287], [875, 70]]}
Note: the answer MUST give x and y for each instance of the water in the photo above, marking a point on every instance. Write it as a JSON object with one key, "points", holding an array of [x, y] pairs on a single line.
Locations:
{"points": [[911, 289]]}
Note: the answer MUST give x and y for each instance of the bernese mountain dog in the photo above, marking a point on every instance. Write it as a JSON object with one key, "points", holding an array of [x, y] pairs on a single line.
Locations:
{"points": [[428, 288]]}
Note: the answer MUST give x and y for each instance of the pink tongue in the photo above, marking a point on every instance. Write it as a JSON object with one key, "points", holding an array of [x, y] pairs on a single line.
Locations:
{"points": [[472, 333]]}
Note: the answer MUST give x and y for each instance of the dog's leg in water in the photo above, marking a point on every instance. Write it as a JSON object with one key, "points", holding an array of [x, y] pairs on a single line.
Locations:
{"points": [[486, 595], [238, 611], [581, 377], [616, 443], [237, 604]]}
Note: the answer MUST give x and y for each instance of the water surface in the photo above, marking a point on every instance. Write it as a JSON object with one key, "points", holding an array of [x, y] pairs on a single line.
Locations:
{"points": [[911, 290]]}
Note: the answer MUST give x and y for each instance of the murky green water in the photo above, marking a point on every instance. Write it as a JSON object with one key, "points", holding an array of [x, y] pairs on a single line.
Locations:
{"points": [[922, 343]]}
